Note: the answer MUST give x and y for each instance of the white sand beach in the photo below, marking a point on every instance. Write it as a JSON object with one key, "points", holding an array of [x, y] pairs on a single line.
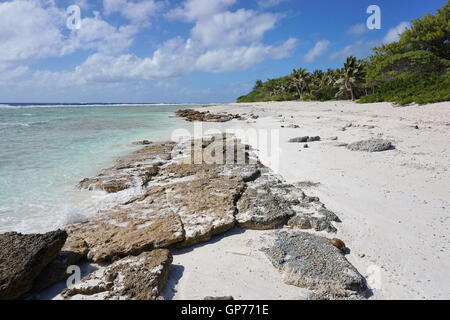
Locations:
{"points": [[394, 205]]}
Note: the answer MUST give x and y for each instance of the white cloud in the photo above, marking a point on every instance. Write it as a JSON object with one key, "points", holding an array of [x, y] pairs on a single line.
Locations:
{"points": [[393, 34], [137, 12], [269, 3], [318, 50], [357, 29], [231, 28], [192, 10], [27, 32]]}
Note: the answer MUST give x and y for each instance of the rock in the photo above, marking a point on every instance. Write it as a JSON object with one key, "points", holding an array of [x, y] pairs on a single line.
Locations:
{"points": [[262, 205], [130, 229], [142, 143], [56, 270], [299, 139], [312, 262], [134, 170], [314, 216], [338, 243], [292, 126], [23, 257], [193, 116], [305, 146], [371, 145], [132, 278], [313, 139], [304, 139], [333, 138], [227, 298]]}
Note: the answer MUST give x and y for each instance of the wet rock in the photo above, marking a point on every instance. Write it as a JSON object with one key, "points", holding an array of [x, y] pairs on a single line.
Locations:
{"points": [[23, 257], [142, 143], [193, 116], [312, 262], [132, 278], [136, 169], [371, 145]]}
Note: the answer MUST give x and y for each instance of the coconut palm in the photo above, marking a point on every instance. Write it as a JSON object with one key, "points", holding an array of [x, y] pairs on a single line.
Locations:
{"points": [[351, 77], [301, 79]]}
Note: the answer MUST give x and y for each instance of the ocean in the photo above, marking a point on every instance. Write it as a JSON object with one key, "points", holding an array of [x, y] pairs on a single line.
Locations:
{"points": [[46, 149]]}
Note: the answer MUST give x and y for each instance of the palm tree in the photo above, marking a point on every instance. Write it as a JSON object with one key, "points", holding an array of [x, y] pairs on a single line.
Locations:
{"points": [[351, 77], [301, 79]]}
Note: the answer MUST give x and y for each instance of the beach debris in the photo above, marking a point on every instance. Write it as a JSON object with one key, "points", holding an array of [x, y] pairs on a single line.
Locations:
{"points": [[292, 126], [338, 243], [371, 145], [23, 257], [312, 262], [133, 278], [194, 115], [306, 146]]}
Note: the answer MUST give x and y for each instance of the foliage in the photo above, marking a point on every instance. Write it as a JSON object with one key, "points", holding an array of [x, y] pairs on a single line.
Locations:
{"points": [[414, 69]]}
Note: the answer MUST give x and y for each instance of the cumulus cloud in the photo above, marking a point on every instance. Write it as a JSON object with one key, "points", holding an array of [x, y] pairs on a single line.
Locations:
{"points": [[220, 40], [393, 34], [357, 29], [230, 28], [192, 10], [319, 49], [269, 3], [137, 12]]}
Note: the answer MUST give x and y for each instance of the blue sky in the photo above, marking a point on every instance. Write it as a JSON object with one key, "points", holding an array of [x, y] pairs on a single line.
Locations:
{"points": [[181, 51]]}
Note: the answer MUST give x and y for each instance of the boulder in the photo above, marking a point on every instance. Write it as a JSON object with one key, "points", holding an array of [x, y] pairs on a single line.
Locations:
{"points": [[371, 145], [312, 262], [132, 278], [23, 257]]}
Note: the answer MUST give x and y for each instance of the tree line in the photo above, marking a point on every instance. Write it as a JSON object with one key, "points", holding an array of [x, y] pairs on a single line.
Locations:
{"points": [[415, 69]]}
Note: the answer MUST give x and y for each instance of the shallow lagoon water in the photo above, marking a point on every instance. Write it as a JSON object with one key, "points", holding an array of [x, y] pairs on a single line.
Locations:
{"points": [[46, 149]]}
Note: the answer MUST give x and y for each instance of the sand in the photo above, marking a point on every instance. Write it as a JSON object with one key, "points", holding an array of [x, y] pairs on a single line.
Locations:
{"points": [[394, 205]]}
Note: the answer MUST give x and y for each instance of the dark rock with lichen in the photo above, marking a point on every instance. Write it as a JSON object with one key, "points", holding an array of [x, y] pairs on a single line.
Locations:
{"points": [[23, 257]]}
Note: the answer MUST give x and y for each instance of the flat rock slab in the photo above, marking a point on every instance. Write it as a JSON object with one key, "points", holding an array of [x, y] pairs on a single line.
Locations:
{"points": [[130, 230], [312, 262], [23, 257], [132, 278], [136, 169], [371, 145], [193, 115]]}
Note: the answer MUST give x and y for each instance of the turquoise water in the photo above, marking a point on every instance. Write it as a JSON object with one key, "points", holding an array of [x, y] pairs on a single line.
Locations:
{"points": [[46, 150]]}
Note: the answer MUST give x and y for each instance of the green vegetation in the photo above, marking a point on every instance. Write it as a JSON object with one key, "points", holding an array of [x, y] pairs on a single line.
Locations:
{"points": [[415, 69]]}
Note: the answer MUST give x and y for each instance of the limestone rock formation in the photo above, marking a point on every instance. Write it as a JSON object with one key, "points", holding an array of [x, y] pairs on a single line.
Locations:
{"points": [[310, 261], [132, 278], [371, 145], [193, 115], [136, 169], [23, 257]]}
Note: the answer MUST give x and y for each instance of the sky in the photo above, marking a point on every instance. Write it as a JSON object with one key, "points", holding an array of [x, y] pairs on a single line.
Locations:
{"points": [[196, 51]]}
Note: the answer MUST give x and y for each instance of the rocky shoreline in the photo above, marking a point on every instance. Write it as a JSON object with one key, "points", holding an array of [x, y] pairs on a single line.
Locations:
{"points": [[187, 197]]}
